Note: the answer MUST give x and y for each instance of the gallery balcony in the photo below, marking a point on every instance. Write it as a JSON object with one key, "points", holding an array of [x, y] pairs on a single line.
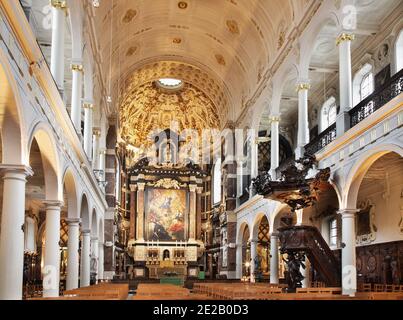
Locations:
{"points": [[365, 109]]}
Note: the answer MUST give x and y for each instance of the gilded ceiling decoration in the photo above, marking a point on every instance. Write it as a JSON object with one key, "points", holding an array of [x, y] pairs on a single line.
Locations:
{"points": [[220, 59], [188, 73], [233, 27], [129, 16], [204, 36], [148, 107], [182, 5]]}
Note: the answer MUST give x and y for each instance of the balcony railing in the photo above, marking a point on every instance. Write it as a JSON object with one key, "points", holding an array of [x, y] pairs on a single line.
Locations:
{"points": [[325, 138], [390, 90], [377, 99]]}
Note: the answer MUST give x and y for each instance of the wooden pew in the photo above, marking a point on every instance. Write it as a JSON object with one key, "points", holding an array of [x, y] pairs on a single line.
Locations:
{"points": [[320, 290]]}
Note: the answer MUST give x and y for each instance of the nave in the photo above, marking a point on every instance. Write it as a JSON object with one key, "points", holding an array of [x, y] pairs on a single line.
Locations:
{"points": [[201, 149]]}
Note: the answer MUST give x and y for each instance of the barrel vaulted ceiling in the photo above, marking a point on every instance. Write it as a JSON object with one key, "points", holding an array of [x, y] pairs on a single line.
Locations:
{"points": [[221, 47]]}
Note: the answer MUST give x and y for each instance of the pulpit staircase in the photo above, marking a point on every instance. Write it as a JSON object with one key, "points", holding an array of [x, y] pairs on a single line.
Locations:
{"points": [[308, 240]]}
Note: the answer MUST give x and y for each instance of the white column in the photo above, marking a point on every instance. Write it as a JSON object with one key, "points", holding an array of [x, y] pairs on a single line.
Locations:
{"points": [[85, 259], [12, 233], [140, 212], [253, 255], [102, 156], [76, 96], [72, 254], [275, 146], [51, 266], [57, 52], [239, 180], [255, 158], [239, 265], [95, 148], [94, 255], [192, 213], [88, 109], [346, 82], [303, 120], [274, 258], [348, 254], [101, 261]]}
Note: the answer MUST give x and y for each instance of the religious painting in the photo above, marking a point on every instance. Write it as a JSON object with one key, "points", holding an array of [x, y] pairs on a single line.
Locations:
{"points": [[166, 210]]}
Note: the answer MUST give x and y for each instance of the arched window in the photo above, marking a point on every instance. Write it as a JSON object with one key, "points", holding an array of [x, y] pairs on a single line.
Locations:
{"points": [[399, 52], [363, 84], [328, 114], [217, 182], [333, 232], [367, 85]]}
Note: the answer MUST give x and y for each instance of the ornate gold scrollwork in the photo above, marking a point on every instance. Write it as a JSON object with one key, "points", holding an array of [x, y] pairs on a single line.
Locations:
{"points": [[58, 4], [345, 37], [303, 86], [77, 67], [166, 183]]}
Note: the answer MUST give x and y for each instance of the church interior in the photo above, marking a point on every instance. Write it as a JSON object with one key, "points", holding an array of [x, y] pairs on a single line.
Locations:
{"points": [[201, 150]]}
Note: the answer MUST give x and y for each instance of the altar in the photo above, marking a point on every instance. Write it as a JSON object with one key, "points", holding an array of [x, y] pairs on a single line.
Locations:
{"points": [[165, 214]]}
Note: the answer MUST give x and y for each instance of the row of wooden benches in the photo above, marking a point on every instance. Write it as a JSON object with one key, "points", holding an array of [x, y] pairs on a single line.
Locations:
{"points": [[276, 292], [369, 287], [165, 292], [101, 291]]}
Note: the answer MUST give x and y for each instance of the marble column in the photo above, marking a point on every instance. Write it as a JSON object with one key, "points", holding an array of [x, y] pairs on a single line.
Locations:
{"points": [[132, 230], [140, 212], [96, 134], [192, 212], [102, 156], [346, 82], [57, 52], [73, 262], [253, 255], [101, 261], [88, 110], [303, 120], [12, 231], [254, 156], [274, 258], [198, 213], [76, 96], [51, 266], [239, 180], [348, 254], [85, 258], [94, 255], [275, 146], [239, 265]]}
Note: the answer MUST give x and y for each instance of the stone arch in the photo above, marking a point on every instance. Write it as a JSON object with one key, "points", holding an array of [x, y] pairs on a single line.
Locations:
{"points": [[397, 46], [360, 168], [101, 230], [12, 132], [84, 212], [274, 216], [46, 141], [289, 72], [94, 223], [310, 37], [70, 184], [281, 211], [256, 223]]}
